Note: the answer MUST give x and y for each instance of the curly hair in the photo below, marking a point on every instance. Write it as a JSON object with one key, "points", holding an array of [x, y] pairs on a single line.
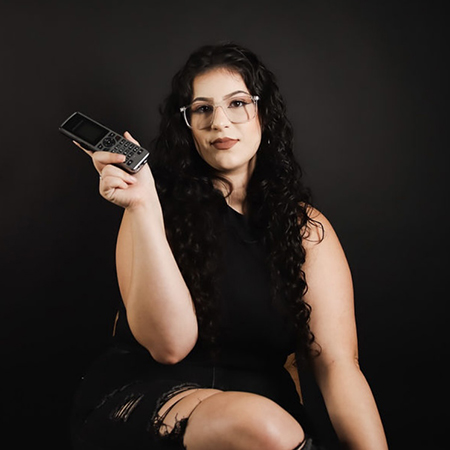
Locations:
{"points": [[277, 202]]}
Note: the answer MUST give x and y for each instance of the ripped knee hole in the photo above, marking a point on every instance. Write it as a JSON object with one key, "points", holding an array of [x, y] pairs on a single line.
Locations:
{"points": [[175, 427]]}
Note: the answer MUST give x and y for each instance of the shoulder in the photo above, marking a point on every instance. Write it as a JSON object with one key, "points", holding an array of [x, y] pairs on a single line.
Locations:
{"points": [[320, 241], [317, 228]]}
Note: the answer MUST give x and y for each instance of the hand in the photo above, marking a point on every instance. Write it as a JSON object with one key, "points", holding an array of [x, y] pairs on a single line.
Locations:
{"points": [[118, 186]]}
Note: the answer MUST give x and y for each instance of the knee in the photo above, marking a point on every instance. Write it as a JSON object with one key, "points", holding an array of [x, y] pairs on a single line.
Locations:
{"points": [[264, 424], [239, 420]]}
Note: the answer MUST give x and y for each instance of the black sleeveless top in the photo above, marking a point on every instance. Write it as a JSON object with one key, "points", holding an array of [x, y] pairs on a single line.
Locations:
{"points": [[254, 332]]}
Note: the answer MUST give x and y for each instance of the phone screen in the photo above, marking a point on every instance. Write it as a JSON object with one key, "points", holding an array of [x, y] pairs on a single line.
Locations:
{"points": [[85, 129], [90, 132]]}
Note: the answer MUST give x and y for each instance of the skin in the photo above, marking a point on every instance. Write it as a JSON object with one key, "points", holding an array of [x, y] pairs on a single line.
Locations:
{"points": [[162, 318], [237, 163]]}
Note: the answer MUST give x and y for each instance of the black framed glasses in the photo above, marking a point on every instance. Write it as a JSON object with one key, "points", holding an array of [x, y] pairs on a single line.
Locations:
{"points": [[239, 108]]}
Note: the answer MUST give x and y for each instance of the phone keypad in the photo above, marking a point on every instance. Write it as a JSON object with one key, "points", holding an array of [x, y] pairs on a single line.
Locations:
{"points": [[127, 148], [115, 143]]}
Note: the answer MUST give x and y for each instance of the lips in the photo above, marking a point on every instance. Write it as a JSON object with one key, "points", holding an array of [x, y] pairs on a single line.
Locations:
{"points": [[224, 143]]}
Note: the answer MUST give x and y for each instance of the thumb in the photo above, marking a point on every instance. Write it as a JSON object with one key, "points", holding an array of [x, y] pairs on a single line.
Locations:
{"points": [[89, 152], [128, 136]]}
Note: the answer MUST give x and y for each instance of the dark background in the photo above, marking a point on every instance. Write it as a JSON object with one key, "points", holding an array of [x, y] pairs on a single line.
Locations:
{"points": [[366, 90]]}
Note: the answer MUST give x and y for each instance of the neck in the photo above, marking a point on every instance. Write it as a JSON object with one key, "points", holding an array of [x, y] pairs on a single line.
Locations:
{"points": [[236, 199], [236, 192]]}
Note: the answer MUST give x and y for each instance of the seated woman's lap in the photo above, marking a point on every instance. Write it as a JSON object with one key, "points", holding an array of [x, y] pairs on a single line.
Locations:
{"points": [[211, 418], [188, 416]]}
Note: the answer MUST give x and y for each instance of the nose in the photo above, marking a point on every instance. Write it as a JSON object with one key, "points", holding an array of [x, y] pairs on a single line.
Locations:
{"points": [[219, 119]]}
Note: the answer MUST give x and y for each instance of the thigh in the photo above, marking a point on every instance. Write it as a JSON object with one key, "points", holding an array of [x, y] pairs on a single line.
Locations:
{"points": [[202, 419], [171, 417], [242, 421]]}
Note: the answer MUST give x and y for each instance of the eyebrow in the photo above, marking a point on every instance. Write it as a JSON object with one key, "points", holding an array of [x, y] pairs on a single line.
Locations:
{"points": [[203, 99]]}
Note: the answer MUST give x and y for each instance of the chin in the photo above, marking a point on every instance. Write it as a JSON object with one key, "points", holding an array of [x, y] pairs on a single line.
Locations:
{"points": [[229, 166], [227, 161]]}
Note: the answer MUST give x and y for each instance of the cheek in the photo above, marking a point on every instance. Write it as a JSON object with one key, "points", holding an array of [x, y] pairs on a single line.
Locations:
{"points": [[197, 143], [256, 136]]}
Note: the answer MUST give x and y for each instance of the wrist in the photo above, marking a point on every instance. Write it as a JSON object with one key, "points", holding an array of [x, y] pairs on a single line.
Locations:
{"points": [[146, 209]]}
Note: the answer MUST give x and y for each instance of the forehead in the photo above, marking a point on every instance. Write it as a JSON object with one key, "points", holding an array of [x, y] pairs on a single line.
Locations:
{"points": [[217, 83]]}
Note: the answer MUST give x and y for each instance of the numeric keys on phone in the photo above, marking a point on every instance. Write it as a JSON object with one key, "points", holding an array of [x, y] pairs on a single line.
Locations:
{"points": [[127, 148]]}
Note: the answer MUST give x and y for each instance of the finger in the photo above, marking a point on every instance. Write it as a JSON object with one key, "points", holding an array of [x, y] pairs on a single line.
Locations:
{"points": [[89, 152], [109, 192], [111, 185], [113, 173], [102, 159], [127, 135]]}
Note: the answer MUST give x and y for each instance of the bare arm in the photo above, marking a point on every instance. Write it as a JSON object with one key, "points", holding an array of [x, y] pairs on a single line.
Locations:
{"points": [[159, 307], [347, 395]]}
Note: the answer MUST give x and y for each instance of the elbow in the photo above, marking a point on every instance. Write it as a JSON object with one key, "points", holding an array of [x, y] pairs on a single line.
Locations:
{"points": [[324, 367], [168, 353], [165, 347], [166, 357]]}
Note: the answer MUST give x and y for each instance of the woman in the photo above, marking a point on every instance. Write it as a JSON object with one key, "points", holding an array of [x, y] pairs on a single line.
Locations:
{"points": [[225, 269]]}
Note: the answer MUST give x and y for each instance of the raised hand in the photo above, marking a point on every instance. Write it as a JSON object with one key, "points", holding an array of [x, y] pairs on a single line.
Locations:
{"points": [[118, 186]]}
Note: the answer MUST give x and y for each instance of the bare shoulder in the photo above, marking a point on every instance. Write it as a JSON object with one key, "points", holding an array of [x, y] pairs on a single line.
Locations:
{"points": [[317, 230], [324, 253]]}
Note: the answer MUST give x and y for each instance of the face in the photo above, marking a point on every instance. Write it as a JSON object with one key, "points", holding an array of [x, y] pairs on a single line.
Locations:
{"points": [[228, 147]]}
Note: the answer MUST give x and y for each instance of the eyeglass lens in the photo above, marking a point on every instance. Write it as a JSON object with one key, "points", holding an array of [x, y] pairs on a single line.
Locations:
{"points": [[240, 109]]}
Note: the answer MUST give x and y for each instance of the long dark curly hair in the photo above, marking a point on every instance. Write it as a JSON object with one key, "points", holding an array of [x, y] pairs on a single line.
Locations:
{"points": [[277, 202]]}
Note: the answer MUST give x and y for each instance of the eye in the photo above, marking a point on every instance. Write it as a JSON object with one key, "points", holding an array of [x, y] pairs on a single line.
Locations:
{"points": [[201, 109], [238, 103]]}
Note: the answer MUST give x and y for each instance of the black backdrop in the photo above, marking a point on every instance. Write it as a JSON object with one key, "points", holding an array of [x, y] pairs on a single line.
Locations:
{"points": [[366, 90]]}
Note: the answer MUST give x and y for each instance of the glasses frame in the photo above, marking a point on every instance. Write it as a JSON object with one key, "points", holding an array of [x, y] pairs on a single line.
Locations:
{"points": [[254, 99]]}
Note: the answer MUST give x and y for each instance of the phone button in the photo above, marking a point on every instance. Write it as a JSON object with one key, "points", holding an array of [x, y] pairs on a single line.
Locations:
{"points": [[107, 142]]}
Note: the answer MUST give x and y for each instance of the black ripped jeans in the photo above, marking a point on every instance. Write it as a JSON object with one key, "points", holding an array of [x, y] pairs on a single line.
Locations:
{"points": [[117, 404]]}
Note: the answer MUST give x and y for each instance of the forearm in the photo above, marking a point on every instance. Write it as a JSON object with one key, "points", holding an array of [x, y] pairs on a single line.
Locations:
{"points": [[159, 306], [351, 407]]}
